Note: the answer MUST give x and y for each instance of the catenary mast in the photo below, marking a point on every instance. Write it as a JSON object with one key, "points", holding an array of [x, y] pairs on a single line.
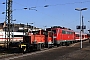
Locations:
{"points": [[8, 19]]}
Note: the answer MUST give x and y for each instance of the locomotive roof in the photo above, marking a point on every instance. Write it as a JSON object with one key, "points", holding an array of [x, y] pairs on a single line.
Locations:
{"points": [[64, 29]]}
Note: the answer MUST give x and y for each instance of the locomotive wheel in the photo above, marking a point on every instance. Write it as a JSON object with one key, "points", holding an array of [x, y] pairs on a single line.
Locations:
{"points": [[58, 45], [38, 46], [63, 43], [67, 43], [23, 50], [48, 46]]}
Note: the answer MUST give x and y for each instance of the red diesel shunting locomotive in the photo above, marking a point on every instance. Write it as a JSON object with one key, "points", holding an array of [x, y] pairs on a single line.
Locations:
{"points": [[36, 40]]}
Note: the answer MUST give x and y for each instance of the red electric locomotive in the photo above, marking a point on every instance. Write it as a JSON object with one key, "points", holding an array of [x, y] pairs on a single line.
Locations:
{"points": [[62, 36]]}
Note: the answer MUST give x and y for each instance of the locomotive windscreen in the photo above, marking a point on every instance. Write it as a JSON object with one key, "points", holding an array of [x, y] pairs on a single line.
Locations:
{"points": [[48, 29]]}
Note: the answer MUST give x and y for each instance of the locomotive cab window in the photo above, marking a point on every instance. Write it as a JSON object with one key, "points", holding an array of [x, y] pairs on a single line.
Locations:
{"points": [[54, 31], [50, 34], [35, 32], [45, 33]]}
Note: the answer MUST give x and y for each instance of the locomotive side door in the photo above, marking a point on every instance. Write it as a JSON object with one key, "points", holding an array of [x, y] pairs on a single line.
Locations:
{"points": [[50, 35]]}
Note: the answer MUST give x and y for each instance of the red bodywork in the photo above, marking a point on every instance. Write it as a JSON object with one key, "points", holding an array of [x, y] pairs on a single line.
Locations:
{"points": [[35, 38], [62, 35], [88, 36], [39, 37], [49, 38], [78, 37], [68, 35]]}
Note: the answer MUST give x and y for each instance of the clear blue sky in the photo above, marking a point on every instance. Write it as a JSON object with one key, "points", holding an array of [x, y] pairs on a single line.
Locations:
{"points": [[59, 12]]}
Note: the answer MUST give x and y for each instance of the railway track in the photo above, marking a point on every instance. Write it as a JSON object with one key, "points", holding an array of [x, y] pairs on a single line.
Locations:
{"points": [[14, 55]]}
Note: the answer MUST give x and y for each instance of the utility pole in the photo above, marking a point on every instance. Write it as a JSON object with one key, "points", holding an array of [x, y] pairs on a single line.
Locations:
{"points": [[82, 25], [27, 27], [9, 19]]}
